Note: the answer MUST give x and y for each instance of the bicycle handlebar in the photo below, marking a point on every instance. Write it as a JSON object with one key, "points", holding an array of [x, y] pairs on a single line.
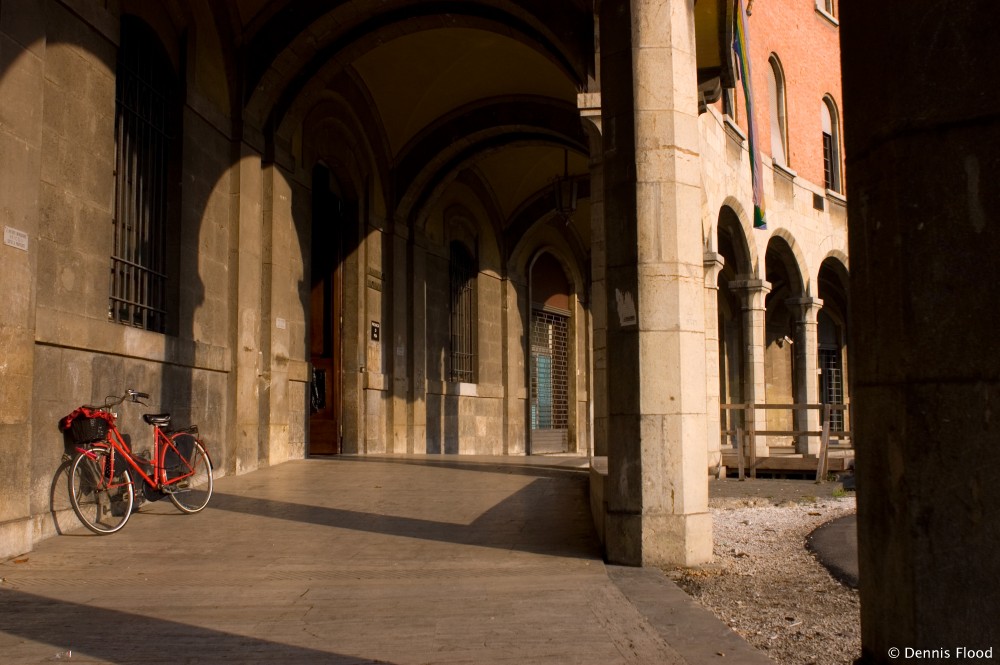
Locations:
{"points": [[113, 400]]}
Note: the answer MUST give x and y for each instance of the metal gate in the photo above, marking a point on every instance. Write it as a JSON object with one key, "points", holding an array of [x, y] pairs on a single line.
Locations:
{"points": [[832, 385], [549, 382]]}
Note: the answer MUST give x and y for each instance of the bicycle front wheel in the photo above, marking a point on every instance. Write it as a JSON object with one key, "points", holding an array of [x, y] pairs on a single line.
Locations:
{"points": [[192, 492], [100, 498]]}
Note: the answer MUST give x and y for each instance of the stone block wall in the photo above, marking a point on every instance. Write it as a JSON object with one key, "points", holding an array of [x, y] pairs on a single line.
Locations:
{"points": [[246, 391]]}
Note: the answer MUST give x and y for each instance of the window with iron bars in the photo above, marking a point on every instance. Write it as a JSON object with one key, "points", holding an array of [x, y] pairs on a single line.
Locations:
{"points": [[463, 273], [549, 370], [145, 122], [832, 385]]}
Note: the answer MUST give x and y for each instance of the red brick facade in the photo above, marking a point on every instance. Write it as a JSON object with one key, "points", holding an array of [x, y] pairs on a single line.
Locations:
{"points": [[806, 42]]}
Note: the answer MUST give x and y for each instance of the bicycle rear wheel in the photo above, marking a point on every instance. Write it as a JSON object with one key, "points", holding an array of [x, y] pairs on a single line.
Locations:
{"points": [[101, 499], [192, 492]]}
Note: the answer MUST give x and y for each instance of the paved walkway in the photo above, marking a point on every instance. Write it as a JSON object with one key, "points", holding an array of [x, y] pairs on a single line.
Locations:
{"points": [[358, 560], [836, 547]]}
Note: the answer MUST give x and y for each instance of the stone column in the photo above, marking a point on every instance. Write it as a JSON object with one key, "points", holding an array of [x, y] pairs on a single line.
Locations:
{"points": [[657, 491], [246, 238], [22, 87], [375, 309], [924, 214], [807, 370], [752, 293], [516, 330], [396, 339], [417, 274], [590, 112], [713, 263]]}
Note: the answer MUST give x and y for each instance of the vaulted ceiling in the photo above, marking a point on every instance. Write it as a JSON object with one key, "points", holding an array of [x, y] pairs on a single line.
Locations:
{"points": [[432, 89]]}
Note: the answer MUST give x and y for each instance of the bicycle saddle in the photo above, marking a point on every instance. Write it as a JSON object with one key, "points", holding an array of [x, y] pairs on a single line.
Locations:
{"points": [[158, 419]]}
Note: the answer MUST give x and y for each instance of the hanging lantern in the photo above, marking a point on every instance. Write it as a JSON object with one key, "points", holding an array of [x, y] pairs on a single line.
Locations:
{"points": [[565, 189]]}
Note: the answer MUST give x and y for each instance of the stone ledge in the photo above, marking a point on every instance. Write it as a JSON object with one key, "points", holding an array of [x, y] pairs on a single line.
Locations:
{"points": [[485, 390], [836, 197], [691, 629], [733, 130], [71, 331], [784, 171]]}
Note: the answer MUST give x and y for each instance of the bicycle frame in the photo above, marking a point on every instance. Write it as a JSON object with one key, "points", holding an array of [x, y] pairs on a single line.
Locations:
{"points": [[162, 443]]}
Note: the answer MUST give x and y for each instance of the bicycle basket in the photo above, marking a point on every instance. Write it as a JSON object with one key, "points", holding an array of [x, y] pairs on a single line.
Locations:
{"points": [[87, 430]]}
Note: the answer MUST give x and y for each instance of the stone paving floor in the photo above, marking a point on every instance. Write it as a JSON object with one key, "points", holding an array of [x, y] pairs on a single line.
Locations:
{"points": [[389, 559]]}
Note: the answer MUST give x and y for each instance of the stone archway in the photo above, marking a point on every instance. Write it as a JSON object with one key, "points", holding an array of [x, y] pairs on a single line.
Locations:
{"points": [[782, 362]]}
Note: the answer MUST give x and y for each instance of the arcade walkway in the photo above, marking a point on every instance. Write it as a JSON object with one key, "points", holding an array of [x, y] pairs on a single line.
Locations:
{"points": [[439, 559]]}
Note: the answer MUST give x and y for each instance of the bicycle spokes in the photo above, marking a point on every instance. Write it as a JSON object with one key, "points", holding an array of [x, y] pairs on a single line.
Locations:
{"points": [[101, 499], [190, 488]]}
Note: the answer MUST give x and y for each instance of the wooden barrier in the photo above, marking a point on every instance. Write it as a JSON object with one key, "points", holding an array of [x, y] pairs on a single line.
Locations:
{"points": [[745, 437]]}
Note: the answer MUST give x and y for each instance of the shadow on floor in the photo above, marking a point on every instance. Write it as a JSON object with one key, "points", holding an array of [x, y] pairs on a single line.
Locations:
{"points": [[120, 637]]}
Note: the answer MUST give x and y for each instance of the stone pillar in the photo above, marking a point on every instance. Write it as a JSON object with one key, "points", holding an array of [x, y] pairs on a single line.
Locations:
{"points": [[713, 263], [396, 340], [22, 86], [657, 492], [752, 293], [417, 272], [590, 112], [375, 309], [924, 214], [516, 330], [807, 370], [246, 239]]}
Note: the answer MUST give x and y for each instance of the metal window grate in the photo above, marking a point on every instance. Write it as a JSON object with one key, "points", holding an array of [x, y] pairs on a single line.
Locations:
{"points": [[832, 385], [143, 136], [549, 370], [463, 314]]}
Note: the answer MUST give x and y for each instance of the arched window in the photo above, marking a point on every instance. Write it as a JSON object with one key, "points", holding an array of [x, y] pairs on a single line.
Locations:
{"points": [[463, 271], [777, 109], [143, 261], [831, 145]]}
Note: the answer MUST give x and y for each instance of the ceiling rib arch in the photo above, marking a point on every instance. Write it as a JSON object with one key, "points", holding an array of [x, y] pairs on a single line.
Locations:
{"points": [[559, 124], [420, 193]]}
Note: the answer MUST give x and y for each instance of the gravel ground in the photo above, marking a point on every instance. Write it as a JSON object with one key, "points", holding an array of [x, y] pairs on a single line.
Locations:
{"points": [[770, 589]]}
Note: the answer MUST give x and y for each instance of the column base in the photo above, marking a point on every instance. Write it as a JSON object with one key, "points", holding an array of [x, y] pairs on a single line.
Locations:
{"points": [[658, 540]]}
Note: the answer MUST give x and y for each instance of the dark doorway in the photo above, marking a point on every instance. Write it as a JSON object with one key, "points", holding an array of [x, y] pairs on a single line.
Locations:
{"points": [[330, 218]]}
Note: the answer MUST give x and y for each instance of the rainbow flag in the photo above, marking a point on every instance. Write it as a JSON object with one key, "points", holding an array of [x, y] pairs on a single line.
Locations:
{"points": [[741, 45]]}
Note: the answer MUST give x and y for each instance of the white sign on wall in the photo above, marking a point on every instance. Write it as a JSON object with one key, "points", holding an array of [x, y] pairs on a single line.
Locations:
{"points": [[15, 238], [626, 308]]}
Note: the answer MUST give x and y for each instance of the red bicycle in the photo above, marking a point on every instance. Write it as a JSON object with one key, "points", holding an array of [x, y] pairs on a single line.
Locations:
{"points": [[101, 486]]}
